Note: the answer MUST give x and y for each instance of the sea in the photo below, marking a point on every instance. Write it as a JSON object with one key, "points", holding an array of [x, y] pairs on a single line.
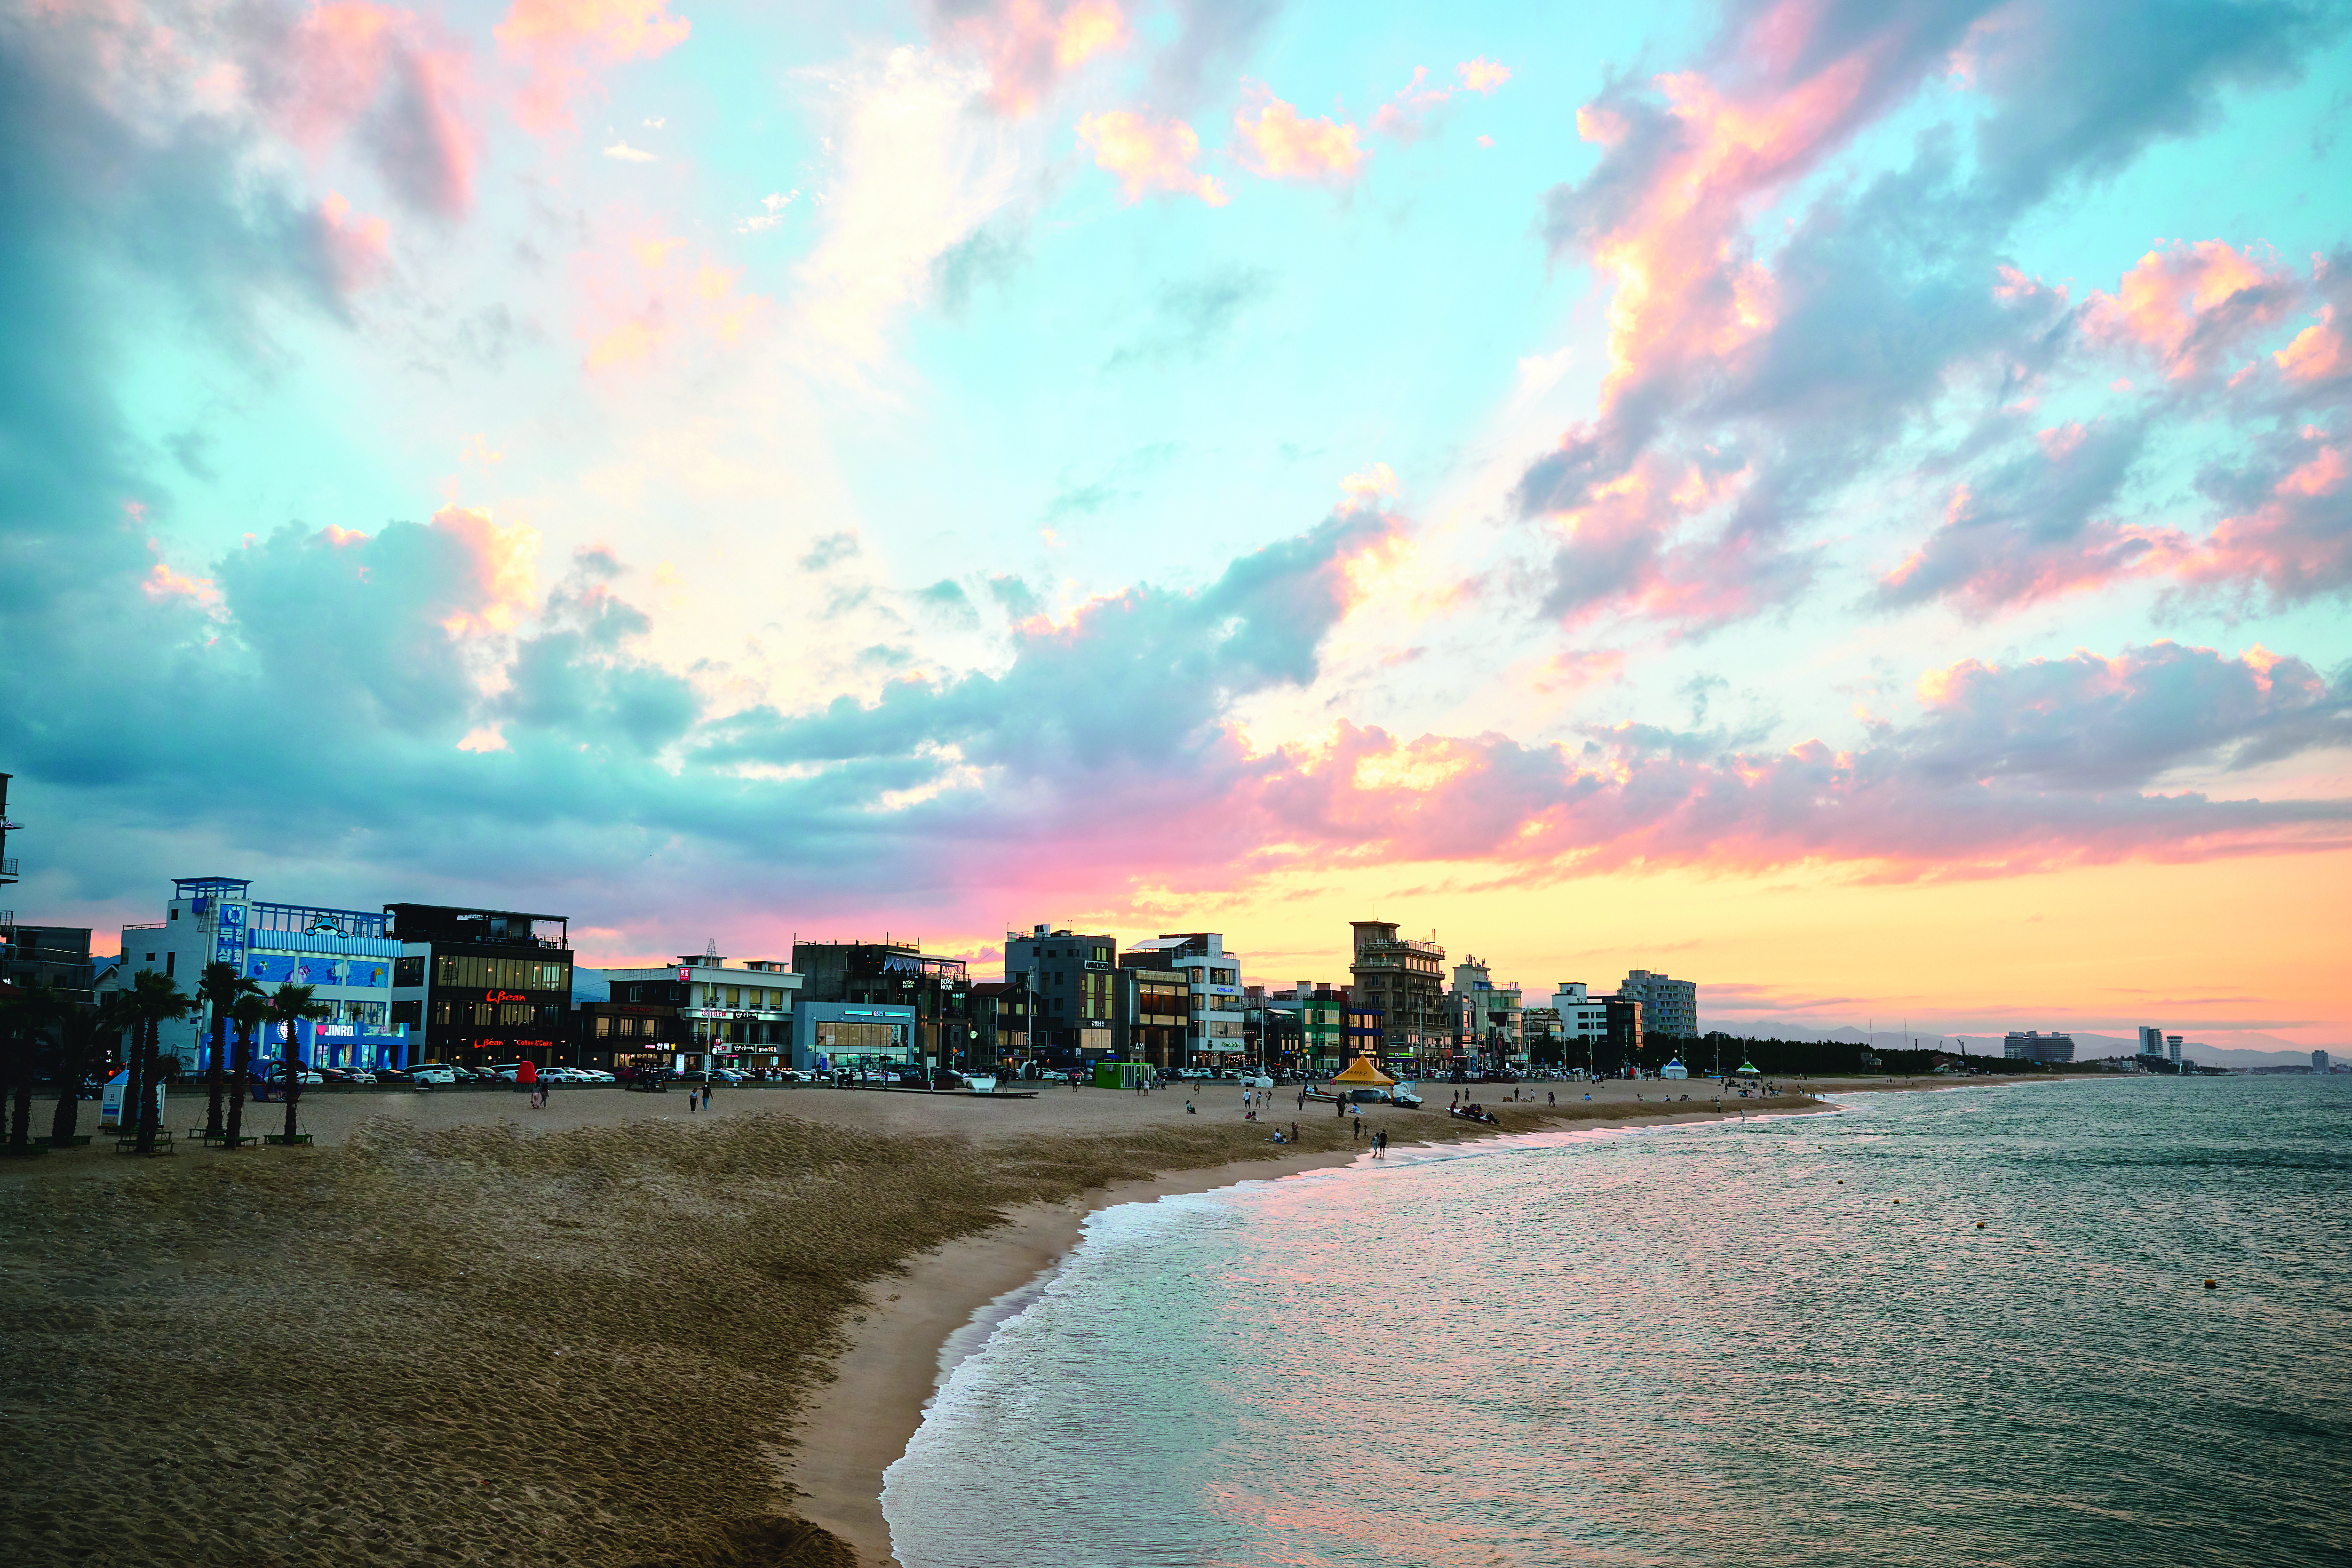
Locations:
{"points": [[1960, 1327]]}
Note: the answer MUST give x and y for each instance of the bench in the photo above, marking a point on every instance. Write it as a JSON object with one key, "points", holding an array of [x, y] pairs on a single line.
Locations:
{"points": [[280, 1139], [164, 1144]]}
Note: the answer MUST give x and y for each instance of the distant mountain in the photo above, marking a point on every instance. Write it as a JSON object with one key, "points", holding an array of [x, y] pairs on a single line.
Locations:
{"points": [[2246, 1047]]}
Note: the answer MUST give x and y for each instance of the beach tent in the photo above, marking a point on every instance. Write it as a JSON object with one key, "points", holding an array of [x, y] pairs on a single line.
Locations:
{"points": [[1674, 1069], [1362, 1074]]}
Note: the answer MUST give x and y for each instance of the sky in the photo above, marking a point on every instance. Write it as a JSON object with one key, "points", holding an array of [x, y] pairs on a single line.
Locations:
{"points": [[1847, 503]]}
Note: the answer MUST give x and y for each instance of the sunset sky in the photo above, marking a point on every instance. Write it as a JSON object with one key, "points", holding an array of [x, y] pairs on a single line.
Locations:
{"points": [[1847, 503]]}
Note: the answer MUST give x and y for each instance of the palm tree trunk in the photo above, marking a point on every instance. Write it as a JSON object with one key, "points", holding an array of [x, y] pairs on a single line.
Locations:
{"points": [[71, 1065], [213, 1073], [293, 1080], [235, 1128], [20, 1123], [126, 1121], [150, 1119]]}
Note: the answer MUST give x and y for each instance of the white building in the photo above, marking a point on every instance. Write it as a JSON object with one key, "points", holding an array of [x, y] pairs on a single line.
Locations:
{"points": [[726, 1013], [1214, 978], [1669, 1006], [1486, 1017], [1583, 1019], [345, 956]]}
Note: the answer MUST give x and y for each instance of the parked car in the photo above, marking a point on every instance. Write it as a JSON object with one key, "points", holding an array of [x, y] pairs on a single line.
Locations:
{"points": [[728, 1075], [275, 1073], [347, 1075], [433, 1072], [591, 1074], [1403, 1095], [392, 1075]]}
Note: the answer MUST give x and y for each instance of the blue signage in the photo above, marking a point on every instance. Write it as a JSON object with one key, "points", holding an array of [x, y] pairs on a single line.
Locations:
{"points": [[319, 968], [228, 934]]}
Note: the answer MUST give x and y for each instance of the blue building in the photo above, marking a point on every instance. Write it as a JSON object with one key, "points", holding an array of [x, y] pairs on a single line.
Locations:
{"points": [[345, 955]]}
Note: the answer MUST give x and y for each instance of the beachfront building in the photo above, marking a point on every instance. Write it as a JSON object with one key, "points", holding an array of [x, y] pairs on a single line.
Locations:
{"points": [[478, 986], [897, 975], [1152, 1007], [1486, 1024], [1404, 982], [699, 1012], [1314, 1015], [1072, 975], [1215, 1032], [346, 956], [1669, 1006], [1002, 1012], [856, 1037], [2031, 1045], [1583, 1017], [37, 954], [1540, 1034]]}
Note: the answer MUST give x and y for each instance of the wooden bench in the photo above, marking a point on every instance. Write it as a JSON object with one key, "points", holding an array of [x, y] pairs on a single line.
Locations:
{"points": [[164, 1144], [279, 1138]]}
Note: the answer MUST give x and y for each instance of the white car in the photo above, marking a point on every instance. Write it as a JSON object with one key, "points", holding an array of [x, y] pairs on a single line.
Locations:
{"points": [[591, 1074], [1259, 1082], [431, 1072]]}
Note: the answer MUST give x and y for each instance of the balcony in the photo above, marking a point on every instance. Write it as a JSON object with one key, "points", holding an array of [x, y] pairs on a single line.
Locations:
{"points": [[8, 870]]}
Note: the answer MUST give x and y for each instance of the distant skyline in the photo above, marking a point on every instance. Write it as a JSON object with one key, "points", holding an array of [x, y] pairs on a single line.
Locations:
{"points": [[1849, 505]]}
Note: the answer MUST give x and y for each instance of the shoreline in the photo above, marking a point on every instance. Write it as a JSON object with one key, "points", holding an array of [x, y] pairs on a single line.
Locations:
{"points": [[860, 1422]]}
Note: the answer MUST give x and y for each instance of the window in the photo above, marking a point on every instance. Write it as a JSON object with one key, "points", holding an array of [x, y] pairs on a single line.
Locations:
{"points": [[603, 1026], [409, 1013], [408, 971], [636, 994], [443, 1011], [171, 962], [175, 915]]}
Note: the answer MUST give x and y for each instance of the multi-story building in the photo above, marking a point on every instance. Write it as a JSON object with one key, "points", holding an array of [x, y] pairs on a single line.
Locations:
{"points": [[2319, 1061], [1485, 1018], [1540, 1034], [2151, 1040], [2172, 1050], [1404, 982], [1216, 1032], [896, 975], [1623, 1050], [1002, 1012], [1072, 975], [477, 986], [34, 954], [1318, 1011], [1669, 1006], [1365, 1032], [346, 957], [1583, 1017], [1153, 1007], [2031, 1045], [700, 1012]]}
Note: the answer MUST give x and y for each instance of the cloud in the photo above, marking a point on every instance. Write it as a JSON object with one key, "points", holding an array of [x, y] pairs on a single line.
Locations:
{"points": [[1815, 360], [1190, 318], [831, 550], [1277, 143], [561, 45], [2296, 544], [1413, 112], [1213, 38], [1148, 156], [1482, 75], [625, 154], [915, 174], [1028, 44], [2028, 528], [2191, 304]]}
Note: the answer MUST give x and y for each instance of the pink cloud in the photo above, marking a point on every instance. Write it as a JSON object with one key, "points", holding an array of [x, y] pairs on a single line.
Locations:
{"points": [[1030, 47], [391, 71], [357, 245], [163, 585], [1149, 156], [2316, 354], [560, 43], [1278, 143], [2192, 304], [498, 571], [1407, 116], [1482, 75], [636, 311], [2297, 543]]}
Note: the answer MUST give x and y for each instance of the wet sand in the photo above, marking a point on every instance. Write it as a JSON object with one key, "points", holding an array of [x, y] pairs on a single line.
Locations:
{"points": [[611, 1331]]}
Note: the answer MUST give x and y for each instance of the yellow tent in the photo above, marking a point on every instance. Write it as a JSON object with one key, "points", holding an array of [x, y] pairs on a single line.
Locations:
{"points": [[1362, 1074]]}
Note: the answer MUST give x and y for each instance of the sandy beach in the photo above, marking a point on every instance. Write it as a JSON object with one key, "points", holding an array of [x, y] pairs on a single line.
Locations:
{"points": [[613, 1331]]}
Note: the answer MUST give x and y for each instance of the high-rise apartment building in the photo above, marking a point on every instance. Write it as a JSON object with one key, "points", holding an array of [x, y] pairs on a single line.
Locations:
{"points": [[2031, 1046], [1669, 1006]]}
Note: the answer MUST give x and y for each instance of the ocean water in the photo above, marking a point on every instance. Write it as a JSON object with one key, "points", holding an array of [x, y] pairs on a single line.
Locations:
{"points": [[1726, 1344]]}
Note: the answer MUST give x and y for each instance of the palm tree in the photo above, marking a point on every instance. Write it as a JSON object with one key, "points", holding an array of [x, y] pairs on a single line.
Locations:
{"points": [[153, 999], [83, 1036], [221, 987], [251, 1013], [32, 1009], [291, 1002]]}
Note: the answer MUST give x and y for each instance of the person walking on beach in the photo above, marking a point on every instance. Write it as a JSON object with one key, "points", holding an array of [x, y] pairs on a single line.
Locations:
{"points": [[1293, 1132]]}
